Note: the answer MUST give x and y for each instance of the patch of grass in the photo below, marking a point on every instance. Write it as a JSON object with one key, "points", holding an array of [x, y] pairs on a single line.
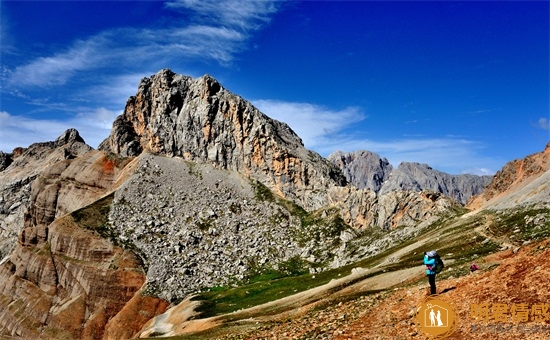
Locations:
{"points": [[263, 288], [94, 216], [262, 192], [514, 223], [193, 171], [205, 224]]}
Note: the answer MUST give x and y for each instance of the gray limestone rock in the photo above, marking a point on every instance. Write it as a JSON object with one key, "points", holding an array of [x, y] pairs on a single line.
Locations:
{"points": [[418, 177], [363, 169], [200, 121]]}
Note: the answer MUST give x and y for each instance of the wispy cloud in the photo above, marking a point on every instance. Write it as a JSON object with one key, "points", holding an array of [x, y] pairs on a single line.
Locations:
{"points": [[313, 123], [112, 90], [543, 123], [57, 69], [326, 130], [16, 131], [246, 15], [218, 31]]}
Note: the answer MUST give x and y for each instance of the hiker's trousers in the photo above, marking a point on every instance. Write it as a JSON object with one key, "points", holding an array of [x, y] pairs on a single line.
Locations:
{"points": [[431, 280]]}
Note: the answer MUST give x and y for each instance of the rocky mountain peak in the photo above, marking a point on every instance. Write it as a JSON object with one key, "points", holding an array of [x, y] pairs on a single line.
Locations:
{"points": [[199, 120], [363, 169], [412, 176], [68, 137]]}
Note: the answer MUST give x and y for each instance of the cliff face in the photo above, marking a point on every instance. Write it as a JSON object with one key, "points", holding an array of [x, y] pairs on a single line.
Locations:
{"points": [[365, 209], [418, 177], [365, 169], [66, 282], [199, 120], [61, 280], [19, 170]]}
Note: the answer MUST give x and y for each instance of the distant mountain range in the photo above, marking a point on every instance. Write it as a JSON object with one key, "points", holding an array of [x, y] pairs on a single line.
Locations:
{"points": [[194, 188], [365, 169]]}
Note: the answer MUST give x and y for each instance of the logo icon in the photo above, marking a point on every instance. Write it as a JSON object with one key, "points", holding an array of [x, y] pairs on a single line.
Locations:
{"points": [[436, 317]]}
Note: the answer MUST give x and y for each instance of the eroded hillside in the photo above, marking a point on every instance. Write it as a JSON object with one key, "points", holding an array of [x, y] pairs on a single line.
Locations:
{"points": [[201, 213]]}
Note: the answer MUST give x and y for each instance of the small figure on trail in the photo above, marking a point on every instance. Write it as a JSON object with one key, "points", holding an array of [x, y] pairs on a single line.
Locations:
{"points": [[433, 265], [473, 267]]}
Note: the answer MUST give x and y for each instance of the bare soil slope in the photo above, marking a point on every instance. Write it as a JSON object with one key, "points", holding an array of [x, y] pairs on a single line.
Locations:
{"points": [[504, 278]]}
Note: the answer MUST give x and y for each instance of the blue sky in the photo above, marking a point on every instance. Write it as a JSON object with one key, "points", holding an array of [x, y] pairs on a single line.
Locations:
{"points": [[461, 86]]}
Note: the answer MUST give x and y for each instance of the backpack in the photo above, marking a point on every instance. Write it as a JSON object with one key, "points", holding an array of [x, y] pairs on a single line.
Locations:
{"points": [[439, 265]]}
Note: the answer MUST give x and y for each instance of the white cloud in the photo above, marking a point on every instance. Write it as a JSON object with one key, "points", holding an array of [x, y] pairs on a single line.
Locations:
{"points": [[113, 91], [478, 171], [313, 123], [18, 131], [58, 69], [543, 123], [100, 118], [245, 15], [325, 131], [218, 32]]}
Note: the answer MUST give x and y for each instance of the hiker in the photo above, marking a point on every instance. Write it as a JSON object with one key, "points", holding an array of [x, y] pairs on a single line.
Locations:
{"points": [[473, 268], [431, 263]]}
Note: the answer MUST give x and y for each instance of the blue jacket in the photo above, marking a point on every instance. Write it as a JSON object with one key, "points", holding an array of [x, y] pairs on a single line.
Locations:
{"points": [[430, 265]]}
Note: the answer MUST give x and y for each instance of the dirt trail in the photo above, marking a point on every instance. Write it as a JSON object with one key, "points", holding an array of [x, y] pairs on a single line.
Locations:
{"points": [[175, 322], [359, 281], [503, 242]]}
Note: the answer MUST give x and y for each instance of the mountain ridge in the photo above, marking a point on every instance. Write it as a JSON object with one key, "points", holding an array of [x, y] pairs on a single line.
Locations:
{"points": [[193, 188], [366, 169], [199, 120]]}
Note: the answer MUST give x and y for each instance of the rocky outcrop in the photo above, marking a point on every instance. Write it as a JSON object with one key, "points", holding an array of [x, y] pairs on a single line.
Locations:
{"points": [[24, 166], [197, 226], [5, 160], [365, 209], [200, 121], [519, 182], [363, 169], [418, 177], [67, 284], [75, 281]]}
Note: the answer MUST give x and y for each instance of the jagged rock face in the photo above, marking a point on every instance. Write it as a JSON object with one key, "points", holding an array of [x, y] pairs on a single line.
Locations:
{"points": [[74, 282], [526, 180], [364, 208], [23, 168], [363, 169], [69, 284], [199, 120], [198, 226], [418, 177]]}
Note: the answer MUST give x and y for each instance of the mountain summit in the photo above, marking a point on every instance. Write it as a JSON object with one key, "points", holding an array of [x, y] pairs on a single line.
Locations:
{"points": [[200, 121], [366, 169], [194, 188]]}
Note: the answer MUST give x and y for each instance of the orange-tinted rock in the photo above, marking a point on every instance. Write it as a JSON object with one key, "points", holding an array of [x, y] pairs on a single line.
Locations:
{"points": [[133, 316]]}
